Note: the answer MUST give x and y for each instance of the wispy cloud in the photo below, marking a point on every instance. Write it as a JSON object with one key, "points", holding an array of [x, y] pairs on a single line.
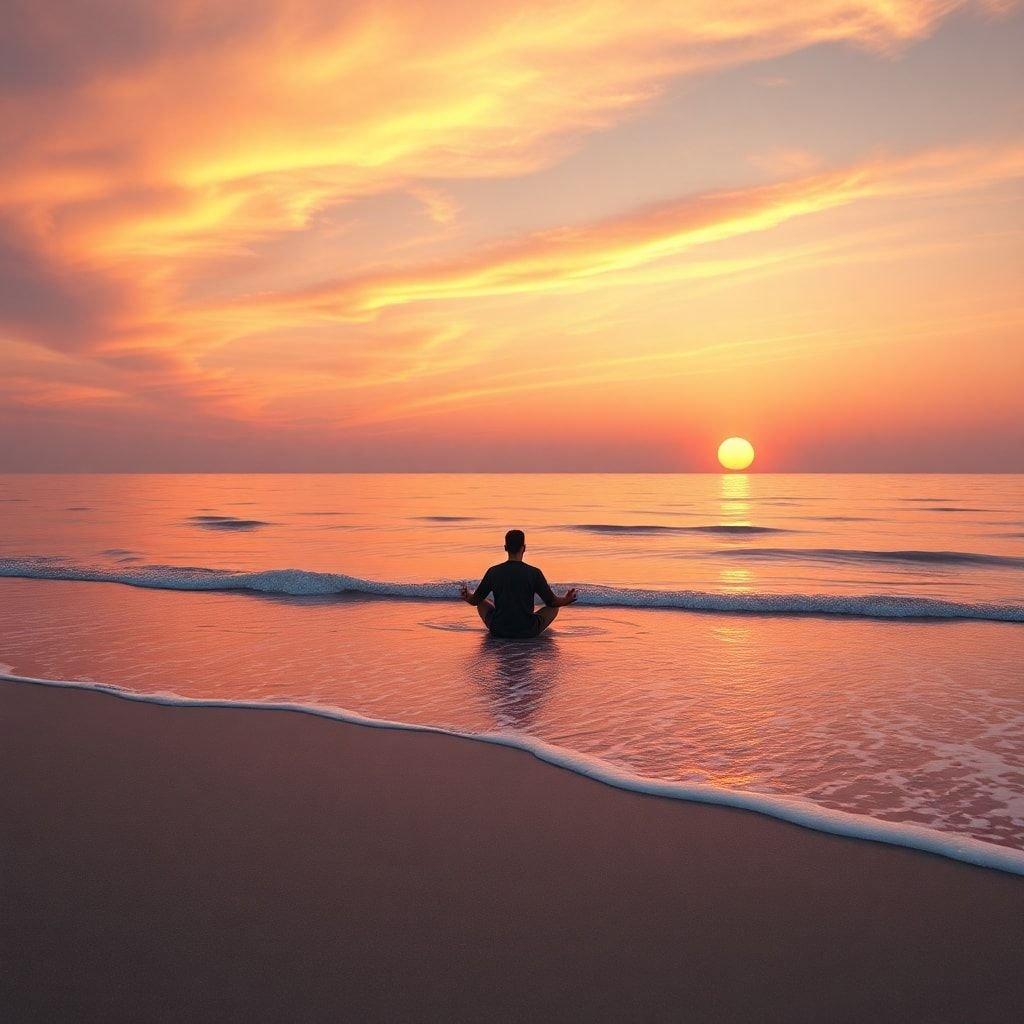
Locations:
{"points": [[590, 254], [143, 138], [149, 145]]}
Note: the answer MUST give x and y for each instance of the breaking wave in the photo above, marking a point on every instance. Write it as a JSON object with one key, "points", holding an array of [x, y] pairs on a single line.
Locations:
{"points": [[304, 583]]}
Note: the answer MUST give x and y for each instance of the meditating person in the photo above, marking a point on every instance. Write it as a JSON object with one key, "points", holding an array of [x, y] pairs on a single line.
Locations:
{"points": [[514, 584]]}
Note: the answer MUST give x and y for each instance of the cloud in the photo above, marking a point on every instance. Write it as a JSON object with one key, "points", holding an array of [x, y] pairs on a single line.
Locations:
{"points": [[144, 141], [156, 127], [49, 301], [784, 163], [439, 206], [33, 391], [590, 254]]}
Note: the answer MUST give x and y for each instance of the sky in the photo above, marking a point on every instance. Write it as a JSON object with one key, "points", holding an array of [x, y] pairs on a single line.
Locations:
{"points": [[301, 235]]}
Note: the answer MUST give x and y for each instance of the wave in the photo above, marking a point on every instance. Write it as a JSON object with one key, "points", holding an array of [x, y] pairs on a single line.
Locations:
{"points": [[954, 508], [791, 809], [843, 519], [725, 528], [226, 523], [854, 555], [447, 519], [303, 583], [121, 555]]}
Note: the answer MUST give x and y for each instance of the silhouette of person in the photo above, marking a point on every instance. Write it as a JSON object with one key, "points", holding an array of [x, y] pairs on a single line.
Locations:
{"points": [[514, 584]]}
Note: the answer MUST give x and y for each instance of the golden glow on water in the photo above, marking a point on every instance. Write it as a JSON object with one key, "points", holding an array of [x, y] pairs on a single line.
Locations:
{"points": [[737, 634], [736, 580], [658, 531], [735, 503], [860, 715], [853, 712]]}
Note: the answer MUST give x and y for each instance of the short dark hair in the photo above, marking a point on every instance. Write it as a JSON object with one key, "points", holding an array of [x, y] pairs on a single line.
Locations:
{"points": [[514, 541]]}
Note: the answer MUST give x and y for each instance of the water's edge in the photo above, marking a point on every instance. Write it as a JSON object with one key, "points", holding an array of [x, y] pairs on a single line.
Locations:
{"points": [[797, 812]]}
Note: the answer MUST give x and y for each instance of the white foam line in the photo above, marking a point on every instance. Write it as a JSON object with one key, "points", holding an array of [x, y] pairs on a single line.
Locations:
{"points": [[299, 582], [797, 812]]}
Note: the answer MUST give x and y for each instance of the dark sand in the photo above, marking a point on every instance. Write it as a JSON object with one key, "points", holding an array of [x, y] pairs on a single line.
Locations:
{"points": [[191, 864]]}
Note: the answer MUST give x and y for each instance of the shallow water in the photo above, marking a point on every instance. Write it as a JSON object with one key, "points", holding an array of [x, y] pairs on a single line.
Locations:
{"points": [[916, 721]]}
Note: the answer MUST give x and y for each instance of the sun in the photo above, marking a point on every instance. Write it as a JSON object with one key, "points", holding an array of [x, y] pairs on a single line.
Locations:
{"points": [[735, 453]]}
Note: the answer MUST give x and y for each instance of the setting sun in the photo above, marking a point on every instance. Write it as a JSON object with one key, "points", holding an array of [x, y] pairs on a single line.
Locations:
{"points": [[735, 453]]}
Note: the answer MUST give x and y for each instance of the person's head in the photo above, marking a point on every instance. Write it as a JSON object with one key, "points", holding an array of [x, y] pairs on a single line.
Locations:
{"points": [[515, 543]]}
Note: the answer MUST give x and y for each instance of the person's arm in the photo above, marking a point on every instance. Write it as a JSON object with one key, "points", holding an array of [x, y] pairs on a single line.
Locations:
{"points": [[547, 595], [480, 594]]}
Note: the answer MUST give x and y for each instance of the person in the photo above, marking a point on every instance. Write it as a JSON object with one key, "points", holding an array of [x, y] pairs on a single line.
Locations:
{"points": [[514, 584]]}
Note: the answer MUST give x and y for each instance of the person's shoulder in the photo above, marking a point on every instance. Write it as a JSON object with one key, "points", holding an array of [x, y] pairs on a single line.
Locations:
{"points": [[533, 568]]}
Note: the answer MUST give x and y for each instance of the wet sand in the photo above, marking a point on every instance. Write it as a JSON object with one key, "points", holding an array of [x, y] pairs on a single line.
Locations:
{"points": [[168, 864]]}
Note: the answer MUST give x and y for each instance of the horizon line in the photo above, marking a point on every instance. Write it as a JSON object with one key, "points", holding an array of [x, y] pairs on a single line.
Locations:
{"points": [[509, 472]]}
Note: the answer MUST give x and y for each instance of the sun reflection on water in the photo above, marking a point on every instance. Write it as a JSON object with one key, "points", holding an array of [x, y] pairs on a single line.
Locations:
{"points": [[735, 500], [736, 580]]}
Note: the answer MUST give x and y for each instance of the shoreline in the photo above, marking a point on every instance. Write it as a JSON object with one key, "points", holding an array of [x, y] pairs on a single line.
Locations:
{"points": [[802, 813], [175, 861]]}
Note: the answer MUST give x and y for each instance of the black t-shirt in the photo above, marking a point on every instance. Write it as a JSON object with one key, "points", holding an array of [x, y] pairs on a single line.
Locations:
{"points": [[514, 584]]}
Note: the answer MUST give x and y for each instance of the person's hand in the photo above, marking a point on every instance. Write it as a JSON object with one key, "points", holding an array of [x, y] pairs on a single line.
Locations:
{"points": [[464, 592], [570, 596]]}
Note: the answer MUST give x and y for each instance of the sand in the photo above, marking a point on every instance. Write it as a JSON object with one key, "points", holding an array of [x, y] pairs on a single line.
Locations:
{"points": [[206, 864]]}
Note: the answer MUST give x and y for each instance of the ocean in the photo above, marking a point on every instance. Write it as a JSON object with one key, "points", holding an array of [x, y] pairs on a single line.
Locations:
{"points": [[844, 651]]}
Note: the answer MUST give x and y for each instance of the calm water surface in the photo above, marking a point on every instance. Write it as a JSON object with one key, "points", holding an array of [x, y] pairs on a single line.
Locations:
{"points": [[347, 602]]}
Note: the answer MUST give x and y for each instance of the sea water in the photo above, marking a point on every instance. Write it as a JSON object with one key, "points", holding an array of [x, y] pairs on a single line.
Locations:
{"points": [[847, 651]]}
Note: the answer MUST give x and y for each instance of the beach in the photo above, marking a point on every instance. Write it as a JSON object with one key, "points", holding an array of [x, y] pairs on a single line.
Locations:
{"points": [[170, 863], [512, 512]]}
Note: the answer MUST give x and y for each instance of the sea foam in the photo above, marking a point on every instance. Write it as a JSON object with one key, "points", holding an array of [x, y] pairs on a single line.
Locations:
{"points": [[305, 583]]}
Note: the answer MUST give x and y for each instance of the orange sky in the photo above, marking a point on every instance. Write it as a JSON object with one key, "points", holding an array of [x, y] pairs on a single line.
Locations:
{"points": [[285, 234]]}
